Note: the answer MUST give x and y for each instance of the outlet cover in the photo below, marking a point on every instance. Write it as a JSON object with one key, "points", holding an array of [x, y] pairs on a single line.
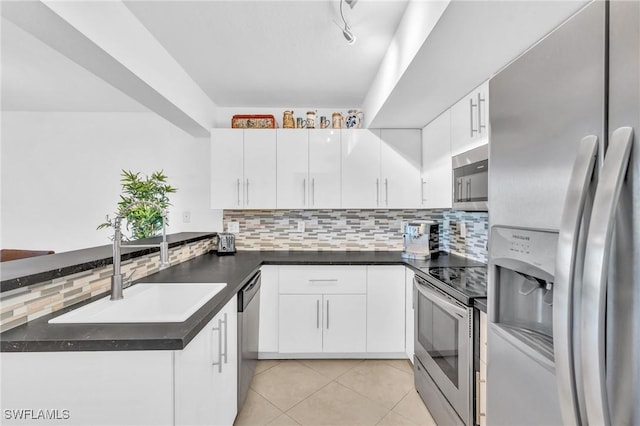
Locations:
{"points": [[300, 227], [463, 229], [233, 227], [186, 216]]}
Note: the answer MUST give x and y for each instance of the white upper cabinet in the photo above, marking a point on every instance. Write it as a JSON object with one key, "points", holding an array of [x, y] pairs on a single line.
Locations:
{"points": [[227, 177], [260, 169], [293, 168], [436, 163], [324, 169], [400, 168], [470, 120], [361, 168], [243, 169]]}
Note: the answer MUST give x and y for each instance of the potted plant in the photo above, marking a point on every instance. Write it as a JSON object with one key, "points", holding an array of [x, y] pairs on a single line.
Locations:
{"points": [[142, 202]]}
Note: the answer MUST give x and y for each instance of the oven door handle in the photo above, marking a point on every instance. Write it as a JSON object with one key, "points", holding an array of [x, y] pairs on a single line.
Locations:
{"points": [[441, 301]]}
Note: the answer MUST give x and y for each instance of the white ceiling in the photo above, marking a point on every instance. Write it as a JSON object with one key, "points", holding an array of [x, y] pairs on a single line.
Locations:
{"points": [[283, 53], [274, 53], [36, 77]]}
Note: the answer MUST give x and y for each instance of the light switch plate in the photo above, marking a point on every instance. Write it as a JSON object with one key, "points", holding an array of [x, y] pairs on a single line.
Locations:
{"points": [[300, 227], [463, 229], [186, 216], [233, 227]]}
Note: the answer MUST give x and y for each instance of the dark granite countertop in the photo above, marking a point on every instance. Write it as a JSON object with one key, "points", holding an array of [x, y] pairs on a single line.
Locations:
{"points": [[480, 303], [23, 272], [40, 336]]}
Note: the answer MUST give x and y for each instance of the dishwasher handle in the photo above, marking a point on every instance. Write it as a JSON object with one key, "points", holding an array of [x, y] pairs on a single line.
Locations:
{"points": [[248, 292]]}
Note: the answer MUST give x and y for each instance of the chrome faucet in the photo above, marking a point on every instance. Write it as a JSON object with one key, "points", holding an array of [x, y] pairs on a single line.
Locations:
{"points": [[117, 280]]}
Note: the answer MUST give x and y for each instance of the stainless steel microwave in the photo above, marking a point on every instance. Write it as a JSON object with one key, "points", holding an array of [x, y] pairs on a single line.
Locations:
{"points": [[471, 179]]}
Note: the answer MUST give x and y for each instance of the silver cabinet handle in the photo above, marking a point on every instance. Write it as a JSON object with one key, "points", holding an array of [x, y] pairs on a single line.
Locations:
{"points": [[423, 182], [596, 271], [480, 125], [327, 314], [238, 187], [468, 189], [386, 192], [318, 313], [568, 240], [219, 330], [323, 280], [471, 107], [377, 192], [226, 339], [246, 198], [304, 192], [313, 191]]}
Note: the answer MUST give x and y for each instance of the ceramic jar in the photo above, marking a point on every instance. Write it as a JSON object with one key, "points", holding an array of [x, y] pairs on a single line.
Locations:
{"points": [[336, 120], [311, 119], [354, 119], [288, 121]]}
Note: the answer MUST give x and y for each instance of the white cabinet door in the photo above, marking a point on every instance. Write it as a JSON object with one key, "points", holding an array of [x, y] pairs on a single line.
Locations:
{"points": [[300, 323], [345, 323], [324, 169], [225, 377], [293, 168], [268, 335], [259, 169], [470, 121], [385, 309], [227, 180], [409, 324], [400, 168], [436, 163], [95, 388], [361, 184], [206, 373]]}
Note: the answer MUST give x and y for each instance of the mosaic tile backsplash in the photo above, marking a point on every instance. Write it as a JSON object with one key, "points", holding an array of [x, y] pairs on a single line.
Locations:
{"points": [[25, 304], [354, 230]]}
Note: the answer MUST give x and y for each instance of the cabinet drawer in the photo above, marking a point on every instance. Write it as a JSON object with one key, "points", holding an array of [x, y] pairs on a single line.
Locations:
{"points": [[323, 280]]}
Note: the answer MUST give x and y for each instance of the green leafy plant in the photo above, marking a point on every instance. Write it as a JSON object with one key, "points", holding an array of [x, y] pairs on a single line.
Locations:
{"points": [[142, 202]]}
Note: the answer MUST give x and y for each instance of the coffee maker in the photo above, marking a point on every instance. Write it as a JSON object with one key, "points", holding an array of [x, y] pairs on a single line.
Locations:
{"points": [[421, 240]]}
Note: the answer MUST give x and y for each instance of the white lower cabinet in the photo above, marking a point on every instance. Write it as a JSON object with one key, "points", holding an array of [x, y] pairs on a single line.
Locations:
{"points": [[206, 373], [409, 324], [268, 335], [316, 323], [300, 322], [385, 309], [341, 310], [183, 387]]}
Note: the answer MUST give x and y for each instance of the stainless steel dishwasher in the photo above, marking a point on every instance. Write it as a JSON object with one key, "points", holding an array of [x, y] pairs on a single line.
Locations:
{"points": [[248, 325]]}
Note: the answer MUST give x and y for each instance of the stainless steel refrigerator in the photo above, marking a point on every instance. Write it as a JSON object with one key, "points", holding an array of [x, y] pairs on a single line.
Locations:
{"points": [[564, 212]]}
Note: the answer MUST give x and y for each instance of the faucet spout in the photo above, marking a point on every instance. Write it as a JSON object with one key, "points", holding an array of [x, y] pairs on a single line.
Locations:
{"points": [[117, 279]]}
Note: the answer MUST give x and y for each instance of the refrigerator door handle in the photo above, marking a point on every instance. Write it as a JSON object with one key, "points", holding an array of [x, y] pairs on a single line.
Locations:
{"points": [[596, 271], [568, 240]]}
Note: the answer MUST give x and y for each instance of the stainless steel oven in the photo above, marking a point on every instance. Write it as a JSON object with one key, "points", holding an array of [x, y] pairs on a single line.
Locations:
{"points": [[444, 354]]}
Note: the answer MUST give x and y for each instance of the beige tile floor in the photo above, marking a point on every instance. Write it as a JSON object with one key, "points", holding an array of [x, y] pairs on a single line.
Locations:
{"points": [[332, 393]]}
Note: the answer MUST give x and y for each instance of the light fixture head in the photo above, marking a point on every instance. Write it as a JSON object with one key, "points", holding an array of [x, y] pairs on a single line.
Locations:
{"points": [[346, 31], [348, 35]]}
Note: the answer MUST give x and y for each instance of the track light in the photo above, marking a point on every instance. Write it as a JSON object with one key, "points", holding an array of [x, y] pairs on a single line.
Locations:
{"points": [[346, 31]]}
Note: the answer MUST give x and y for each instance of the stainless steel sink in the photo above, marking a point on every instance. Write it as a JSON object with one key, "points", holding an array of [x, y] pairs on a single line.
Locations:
{"points": [[158, 302]]}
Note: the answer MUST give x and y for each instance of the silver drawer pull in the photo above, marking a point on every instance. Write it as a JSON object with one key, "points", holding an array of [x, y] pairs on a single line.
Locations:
{"points": [[328, 280]]}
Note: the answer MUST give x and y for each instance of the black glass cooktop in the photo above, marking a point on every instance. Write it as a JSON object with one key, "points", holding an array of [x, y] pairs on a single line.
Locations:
{"points": [[467, 281]]}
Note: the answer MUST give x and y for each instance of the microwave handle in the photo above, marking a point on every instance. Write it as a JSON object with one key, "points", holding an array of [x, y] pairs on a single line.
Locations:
{"points": [[439, 300]]}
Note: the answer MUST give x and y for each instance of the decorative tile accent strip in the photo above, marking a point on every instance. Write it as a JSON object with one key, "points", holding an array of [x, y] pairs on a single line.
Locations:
{"points": [[353, 230], [28, 303], [474, 244]]}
